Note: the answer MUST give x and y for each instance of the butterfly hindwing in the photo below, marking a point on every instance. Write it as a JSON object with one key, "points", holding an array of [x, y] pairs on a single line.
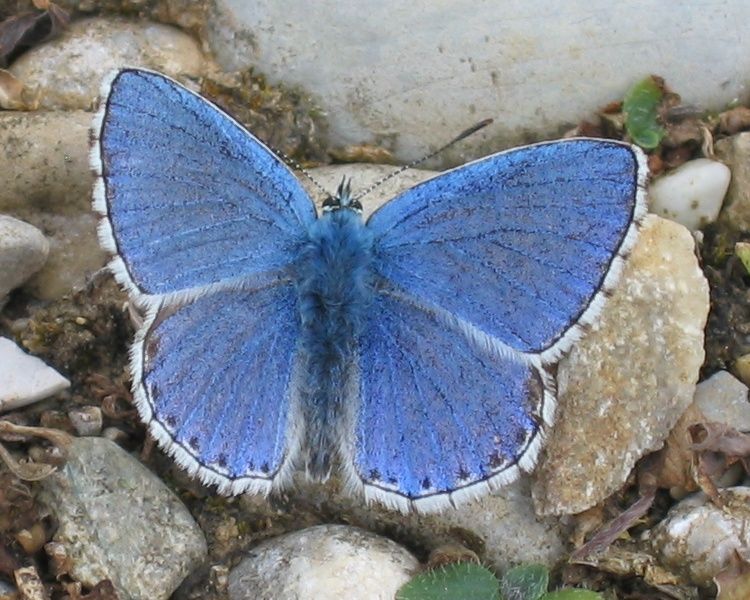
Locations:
{"points": [[439, 418], [518, 245], [188, 197], [216, 382]]}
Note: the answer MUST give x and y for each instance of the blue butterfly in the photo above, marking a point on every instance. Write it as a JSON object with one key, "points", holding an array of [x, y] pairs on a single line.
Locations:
{"points": [[411, 352]]}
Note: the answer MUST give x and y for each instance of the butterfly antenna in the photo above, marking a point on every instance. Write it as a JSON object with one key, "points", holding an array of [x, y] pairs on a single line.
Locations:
{"points": [[464, 134], [298, 167]]}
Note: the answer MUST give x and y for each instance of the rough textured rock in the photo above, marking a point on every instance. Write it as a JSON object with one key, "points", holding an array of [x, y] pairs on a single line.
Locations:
{"points": [[624, 386], [735, 152], [25, 379], [46, 181], [697, 539], [335, 562], [23, 251], [100, 45], [692, 194], [118, 521]]}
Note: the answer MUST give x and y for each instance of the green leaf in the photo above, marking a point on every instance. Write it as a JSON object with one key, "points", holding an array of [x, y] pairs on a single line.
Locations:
{"points": [[461, 580], [641, 105], [527, 582], [572, 594]]}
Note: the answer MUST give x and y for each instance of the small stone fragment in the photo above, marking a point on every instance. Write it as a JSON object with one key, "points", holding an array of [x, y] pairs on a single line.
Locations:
{"points": [[722, 398], [335, 562], [692, 194], [25, 379], [86, 420]]}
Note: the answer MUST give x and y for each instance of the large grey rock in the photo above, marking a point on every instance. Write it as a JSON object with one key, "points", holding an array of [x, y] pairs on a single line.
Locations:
{"points": [[67, 72], [24, 378], [23, 251], [118, 521], [624, 386], [335, 562], [411, 75]]}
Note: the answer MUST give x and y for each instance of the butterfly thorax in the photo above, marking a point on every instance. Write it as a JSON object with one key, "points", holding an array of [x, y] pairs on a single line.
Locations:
{"points": [[335, 287]]}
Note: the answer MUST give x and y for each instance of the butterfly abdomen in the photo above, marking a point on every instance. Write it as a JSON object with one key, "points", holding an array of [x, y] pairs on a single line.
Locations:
{"points": [[334, 286]]}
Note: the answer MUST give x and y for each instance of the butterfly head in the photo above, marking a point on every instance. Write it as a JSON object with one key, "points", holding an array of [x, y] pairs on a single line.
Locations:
{"points": [[343, 199]]}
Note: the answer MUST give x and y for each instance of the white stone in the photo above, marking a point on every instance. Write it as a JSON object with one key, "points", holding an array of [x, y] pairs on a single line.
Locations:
{"points": [[722, 398], [335, 562], [25, 379], [692, 194], [412, 74], [23, 251], [697, 538], [67, 72]]}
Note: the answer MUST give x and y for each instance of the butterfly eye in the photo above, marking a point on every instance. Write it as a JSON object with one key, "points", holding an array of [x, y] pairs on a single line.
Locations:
{"points": [[356, 206], [330, 204]]}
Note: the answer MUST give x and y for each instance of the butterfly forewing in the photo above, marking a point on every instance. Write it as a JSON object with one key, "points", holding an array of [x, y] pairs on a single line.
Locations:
{"points": [[190, 197], [519, 244]]}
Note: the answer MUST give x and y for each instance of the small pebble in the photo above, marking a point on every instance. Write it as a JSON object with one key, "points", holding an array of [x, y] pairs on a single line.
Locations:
{"points": [[722, 398], [23, 251], [335, 562], [86, 420], [697, 538], [25, 378], [692, 194]]}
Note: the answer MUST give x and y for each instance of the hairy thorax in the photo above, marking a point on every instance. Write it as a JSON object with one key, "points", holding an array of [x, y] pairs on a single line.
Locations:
{"points": [[335, 288]]}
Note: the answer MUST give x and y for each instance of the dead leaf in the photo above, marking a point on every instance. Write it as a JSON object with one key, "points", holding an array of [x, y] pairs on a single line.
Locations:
{"points": [[21, 32], [11, 90], [675, 470], [58, 438], [25, 471], [616, 527], [718, 437], [733, 583]]}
